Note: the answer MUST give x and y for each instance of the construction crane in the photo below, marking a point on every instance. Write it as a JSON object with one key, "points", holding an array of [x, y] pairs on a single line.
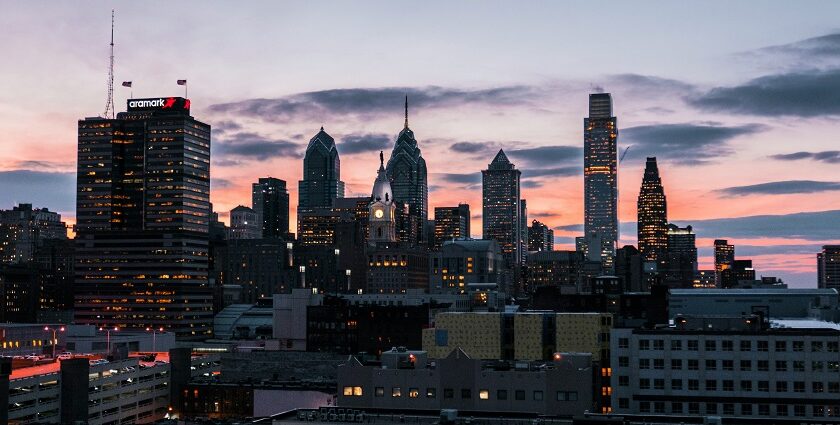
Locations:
{"points": [[109, 102], [623, 154]]}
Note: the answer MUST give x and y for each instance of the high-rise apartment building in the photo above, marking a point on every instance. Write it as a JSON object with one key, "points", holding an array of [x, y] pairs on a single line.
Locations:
{"points": [[540, 237], [142, 211], [270, 200], [244, 224], [451, 223], [828, 267], [23, 229], [407, 171], [501, 207], [523, 231], [652, 215], [600, 175]]}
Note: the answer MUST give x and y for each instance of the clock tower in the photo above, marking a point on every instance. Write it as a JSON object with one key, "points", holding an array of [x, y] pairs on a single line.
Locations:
{"points": [[382, 208]]}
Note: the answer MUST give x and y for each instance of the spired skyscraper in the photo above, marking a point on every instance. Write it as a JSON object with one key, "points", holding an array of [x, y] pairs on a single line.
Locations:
{"points": [[501, 207], [270, 200], [142, 211], [600, 176], [407, 171], [321, 182], [652, 215]]}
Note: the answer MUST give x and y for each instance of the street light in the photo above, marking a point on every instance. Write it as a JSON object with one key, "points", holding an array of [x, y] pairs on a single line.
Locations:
{"points": [[54, 339], [154, 333], [108, 337]]}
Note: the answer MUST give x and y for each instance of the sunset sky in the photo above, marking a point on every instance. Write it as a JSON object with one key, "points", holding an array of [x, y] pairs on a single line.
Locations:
{"points": [[740, 102]]}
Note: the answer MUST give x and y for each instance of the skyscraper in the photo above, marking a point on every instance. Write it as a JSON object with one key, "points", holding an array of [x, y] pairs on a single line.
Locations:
{"points": [[600, 175], [451, 223], [321, 182], [724, 258], [652, 215], [407, 171], [142, 210], [244, 224], [540, 237], [270, 200], [523, 231], [681, 260], [501, 207], [828, 267]]}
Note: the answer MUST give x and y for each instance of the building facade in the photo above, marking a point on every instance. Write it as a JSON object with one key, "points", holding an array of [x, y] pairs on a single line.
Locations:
{"points": [[407, 172], [451, 223], [270, 200], [462, 262], [828, 267], [24, 229], [652, 216], [143, 197], [321, 182], [540, 237], [724, 257], [244, 224], [501, 208], [600, 175]]}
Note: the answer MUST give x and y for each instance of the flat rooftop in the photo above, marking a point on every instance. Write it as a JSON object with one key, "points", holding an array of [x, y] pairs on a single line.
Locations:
{"points": [[55, 367]]}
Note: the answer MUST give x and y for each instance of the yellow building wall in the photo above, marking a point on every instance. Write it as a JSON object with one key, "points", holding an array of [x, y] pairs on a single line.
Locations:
{"points": [[583, 333], [478, 334], [527, 336]]}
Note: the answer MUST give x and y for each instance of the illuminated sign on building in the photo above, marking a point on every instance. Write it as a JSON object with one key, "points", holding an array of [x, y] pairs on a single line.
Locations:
{"points": [[159, 103]]}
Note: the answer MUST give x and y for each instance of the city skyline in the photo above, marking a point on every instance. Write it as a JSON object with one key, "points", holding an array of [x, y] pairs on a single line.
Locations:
{"points": [[700, 123]]}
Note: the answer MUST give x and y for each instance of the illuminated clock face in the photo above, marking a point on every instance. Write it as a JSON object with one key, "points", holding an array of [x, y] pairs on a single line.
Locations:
{"points": [[378, 213]]}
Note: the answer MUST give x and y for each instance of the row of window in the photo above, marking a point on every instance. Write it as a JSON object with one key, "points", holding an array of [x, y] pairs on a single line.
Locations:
{"points": [[729, 345], [744, 409], [729, 385], [466, 393], [743, 365]]}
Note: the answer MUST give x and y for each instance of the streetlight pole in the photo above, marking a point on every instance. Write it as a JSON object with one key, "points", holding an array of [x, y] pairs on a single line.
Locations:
{"points": [[154, 333], [54, 339], [108, 338]]}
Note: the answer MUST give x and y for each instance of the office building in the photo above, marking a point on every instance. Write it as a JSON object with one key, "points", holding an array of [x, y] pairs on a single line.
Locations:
{"points": [[321, 182], [501, 208], [724, 257], [561, 269], [523, 231], [244, 224], [739, 271], [704, 279], [629, 267], [652, 216], [451, 223], [143, 188], [743, 367], [828, 267], [540, 237], [462, 263], [270, 200], [255, 268], [600, 175], [820, 304], [23, 229], [681, 260], [406, 170], [407, 380]]}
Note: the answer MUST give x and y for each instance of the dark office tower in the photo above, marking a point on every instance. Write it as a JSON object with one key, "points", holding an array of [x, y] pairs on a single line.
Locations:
{"points": [[451, 223], [681, 260], [270, 200], [321, 182], [523, 231], [142, 210], [407, 171], [501, 207], [724, 257], [828, 267], [600, 175], [540, 237], [653, 215]]}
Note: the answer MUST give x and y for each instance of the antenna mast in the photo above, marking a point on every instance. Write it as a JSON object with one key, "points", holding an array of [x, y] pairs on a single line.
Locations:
{"points": [[109, 102]]}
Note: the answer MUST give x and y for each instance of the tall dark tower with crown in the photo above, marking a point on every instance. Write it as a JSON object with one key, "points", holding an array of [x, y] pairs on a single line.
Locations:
{"points": [[406, 170], [653, 214]]}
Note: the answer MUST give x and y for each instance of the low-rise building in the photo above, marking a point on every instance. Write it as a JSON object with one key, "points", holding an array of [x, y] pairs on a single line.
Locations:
{"points": [[407, 380], [747, 367]]}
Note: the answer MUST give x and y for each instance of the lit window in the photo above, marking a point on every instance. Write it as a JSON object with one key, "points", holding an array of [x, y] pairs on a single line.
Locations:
{"points": [[484, 394], [357, 391], [348, 391], [396, 392], [413, 392]]}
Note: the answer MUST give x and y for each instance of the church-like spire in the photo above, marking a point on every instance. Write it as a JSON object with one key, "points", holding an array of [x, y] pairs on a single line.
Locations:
{"points": [[406, 111], [381, 160]]}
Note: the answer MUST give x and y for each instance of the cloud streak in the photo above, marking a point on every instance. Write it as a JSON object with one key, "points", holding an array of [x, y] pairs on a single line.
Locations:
{"points": [[252, 146], [362, 143], [685, 143], [786, 187], [829, 157]]}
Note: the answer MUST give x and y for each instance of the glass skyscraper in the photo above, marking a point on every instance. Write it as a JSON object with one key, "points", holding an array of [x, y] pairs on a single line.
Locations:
{"points": [[600, 176], [407, 171], [501, 207], [321, 182], [143, 208], [652, 215]]}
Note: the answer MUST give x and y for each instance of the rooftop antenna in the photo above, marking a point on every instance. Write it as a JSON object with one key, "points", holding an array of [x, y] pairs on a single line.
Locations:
{"points": [[109, 102]]}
